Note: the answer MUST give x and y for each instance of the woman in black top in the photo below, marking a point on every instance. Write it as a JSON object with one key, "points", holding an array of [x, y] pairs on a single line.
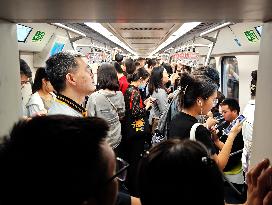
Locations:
{"points": [[197, 97], [136, 109]]}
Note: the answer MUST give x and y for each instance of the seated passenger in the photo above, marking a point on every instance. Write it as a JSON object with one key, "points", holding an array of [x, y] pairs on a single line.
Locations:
{"points": [[233, 170], [182, 172], [68, 162], [42, 94]]}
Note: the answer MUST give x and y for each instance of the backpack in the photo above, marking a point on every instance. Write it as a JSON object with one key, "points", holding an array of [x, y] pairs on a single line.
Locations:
{"points": [[161, 133]]}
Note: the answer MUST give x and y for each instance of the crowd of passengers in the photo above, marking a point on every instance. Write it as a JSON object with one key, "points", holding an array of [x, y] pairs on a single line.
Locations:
{"points": [[82, 143]]}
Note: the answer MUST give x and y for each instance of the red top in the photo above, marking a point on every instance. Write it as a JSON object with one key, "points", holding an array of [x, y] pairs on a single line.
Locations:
{"points": [[123, 83]]}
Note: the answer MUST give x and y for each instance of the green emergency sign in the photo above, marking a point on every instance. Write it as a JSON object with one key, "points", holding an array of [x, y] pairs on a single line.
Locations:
{"points": [[38, 36], [251, 36]]}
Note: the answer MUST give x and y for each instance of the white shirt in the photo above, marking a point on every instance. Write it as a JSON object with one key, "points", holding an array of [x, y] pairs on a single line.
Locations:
{"points": [[58, 108], [247, 132]]}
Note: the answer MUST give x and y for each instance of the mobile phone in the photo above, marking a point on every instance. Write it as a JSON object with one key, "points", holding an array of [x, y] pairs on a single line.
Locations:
{"points": [[240, 118]]}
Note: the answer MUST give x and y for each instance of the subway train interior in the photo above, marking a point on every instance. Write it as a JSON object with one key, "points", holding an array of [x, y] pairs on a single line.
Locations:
{"points": [[233, 37]]}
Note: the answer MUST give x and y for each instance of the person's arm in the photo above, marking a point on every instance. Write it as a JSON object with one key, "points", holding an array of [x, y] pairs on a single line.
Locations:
{"points": [[34, 110], [223, 157], [135, 201], [122, 111], [259, 182], [162, 100]]}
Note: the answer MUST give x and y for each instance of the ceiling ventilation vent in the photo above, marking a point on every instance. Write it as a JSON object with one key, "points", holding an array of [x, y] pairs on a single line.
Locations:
{"points": [[142, 43], [141, 29], [142, 38]]}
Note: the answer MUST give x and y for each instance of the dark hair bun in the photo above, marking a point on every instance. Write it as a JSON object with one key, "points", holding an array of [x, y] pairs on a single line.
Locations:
{"points": [[119, 57], [186, 79]]}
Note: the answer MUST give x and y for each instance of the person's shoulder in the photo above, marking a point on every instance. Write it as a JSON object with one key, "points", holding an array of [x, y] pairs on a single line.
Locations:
{"points": [[178, 117], [201, 128], [94, 96], [34, 99], [119, 93]]}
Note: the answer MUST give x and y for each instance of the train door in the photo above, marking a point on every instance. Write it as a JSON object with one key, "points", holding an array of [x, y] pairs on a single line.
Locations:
{"points": [[230, 77]]}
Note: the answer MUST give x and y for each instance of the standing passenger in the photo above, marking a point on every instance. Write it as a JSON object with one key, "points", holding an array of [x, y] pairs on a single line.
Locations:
{"points": [[58, 160], [157, 90], [72, 79], [136, 116], [248, 124], [122, 79], [108, 103], [197, 97], [42, 94], [25, 76]]}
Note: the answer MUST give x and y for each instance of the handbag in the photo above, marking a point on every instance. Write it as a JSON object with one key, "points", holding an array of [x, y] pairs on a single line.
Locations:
{"points": [[161, 131], [136, 126], [114, 107]]}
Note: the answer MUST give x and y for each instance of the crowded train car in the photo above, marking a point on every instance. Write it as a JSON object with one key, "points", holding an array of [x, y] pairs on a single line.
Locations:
{"points": [[107, 104]]}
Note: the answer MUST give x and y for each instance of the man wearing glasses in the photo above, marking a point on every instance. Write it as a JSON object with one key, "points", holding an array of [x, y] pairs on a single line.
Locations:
{"points": [[60, 159], [25, 75]]}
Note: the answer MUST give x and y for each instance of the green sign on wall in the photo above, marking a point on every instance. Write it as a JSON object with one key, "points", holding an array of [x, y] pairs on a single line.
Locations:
{"points": [[38, 36], [251, 36]]}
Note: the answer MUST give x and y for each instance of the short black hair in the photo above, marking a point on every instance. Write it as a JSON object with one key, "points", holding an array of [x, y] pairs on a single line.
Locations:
{"points": [[39, 75], [118, 68], [107, 77], [180, 171], [54, 159], [137, 63], [139, 73], [253, 83], [130, 66], [141, 59], [25, 69], [232, 103], [58, 66], [119, 57], [151, 62], [168, 68], [155, 81]]}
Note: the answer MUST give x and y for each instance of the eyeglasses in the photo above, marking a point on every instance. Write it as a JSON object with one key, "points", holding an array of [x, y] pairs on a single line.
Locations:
{"points": [[23, 82], [121, 170]]}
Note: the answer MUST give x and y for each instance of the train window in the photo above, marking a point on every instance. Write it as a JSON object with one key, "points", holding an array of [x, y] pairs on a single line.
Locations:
{"points": [[230, 77], [22, 32], [212, 63]]}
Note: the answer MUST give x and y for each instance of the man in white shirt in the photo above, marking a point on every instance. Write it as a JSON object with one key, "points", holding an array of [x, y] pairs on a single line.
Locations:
{"points": [[72, 79]]}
